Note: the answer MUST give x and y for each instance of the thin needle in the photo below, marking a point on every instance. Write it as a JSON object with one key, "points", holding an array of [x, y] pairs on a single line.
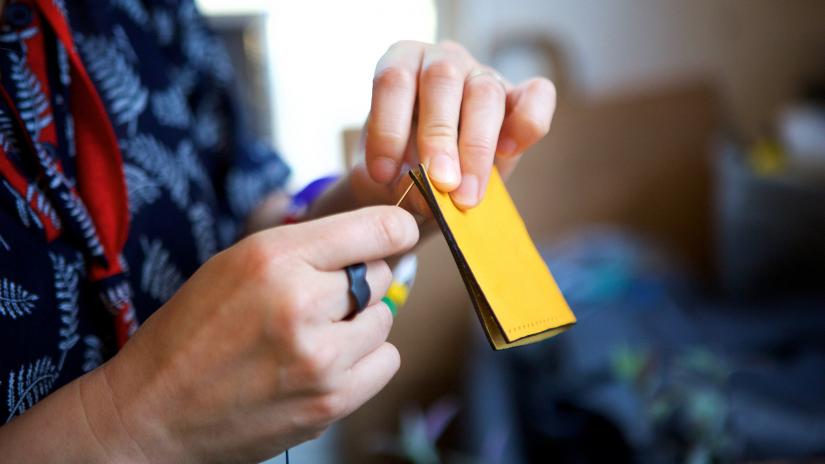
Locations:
{"points": [[404, 195], [426, 166]]}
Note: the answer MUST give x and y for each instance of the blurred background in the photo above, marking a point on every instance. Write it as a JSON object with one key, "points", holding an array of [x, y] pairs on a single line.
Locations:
{"points": [[679, 200]]}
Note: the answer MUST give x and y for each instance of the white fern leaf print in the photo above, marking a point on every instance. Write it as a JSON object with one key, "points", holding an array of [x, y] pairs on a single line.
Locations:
{"points": [[164, 25], [67, 292], [48, 161], [27, 215], [15, 301], [141, 189], [194, 168], [28, 385], [14, 36], [71, 146], [63, 66], [93, 353], [244, 191], [160, 162], [78, 211], [8, 140], [122, 42], [4, 244], [246, 188], [31, 100], [39, 202], [159, 276], [203, 231], [109, 65], [203, 49], [134, 10], [171, 108], [185, 78], [209, 128]]}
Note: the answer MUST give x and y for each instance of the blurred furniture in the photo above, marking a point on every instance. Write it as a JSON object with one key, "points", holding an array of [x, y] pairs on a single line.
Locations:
{"points": [[770, 241], [245, 38]]}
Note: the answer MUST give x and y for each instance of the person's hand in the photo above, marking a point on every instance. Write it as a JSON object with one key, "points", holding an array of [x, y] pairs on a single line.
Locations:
{"points": [[255, 353], [437, 105]]}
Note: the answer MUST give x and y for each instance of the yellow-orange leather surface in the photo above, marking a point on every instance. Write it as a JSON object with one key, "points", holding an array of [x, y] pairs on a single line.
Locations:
{"points": [[513, 292]]}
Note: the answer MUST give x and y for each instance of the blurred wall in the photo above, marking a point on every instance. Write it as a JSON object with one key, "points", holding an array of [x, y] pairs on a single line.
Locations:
{"points": [[642, 84], [753, 51]]}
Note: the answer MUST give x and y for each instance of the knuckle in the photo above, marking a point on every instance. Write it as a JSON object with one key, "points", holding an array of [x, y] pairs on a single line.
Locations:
{"points": [[488, 85], [328, 408], [384, 272], [438, 129], [257, 254], [442, 70], [262, 260], [538, 125], [383, 324], [294, 303], [384, 139], [284, 329], [477, 144], [403, 44], [393, 228], [285, 325], [318, 364], [534, 125], [394, 78], [451, 45], [388, 231]]}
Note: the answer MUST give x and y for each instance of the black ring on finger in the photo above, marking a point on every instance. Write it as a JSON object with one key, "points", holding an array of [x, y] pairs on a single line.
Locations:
{"points": [[358, 286]]}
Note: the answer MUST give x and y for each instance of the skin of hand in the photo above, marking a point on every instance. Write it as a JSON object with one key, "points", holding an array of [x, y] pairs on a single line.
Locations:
{"points": [[243, 361], [436, 105], [254, 354]]}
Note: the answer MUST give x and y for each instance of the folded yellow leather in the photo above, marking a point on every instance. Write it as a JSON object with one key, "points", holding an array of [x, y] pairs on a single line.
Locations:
{"points": [[513, 292]]}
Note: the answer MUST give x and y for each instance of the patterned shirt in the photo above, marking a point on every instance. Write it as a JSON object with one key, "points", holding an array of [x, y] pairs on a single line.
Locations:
{"points": [[191, 171]]}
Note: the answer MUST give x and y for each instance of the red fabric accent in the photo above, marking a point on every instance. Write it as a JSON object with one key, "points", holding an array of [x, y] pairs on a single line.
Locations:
{"points": [[101, 181], [15, 179], [38, 65]]}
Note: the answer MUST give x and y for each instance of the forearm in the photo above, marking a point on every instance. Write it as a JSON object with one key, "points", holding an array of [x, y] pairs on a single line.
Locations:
{"points": [[73, 424]]}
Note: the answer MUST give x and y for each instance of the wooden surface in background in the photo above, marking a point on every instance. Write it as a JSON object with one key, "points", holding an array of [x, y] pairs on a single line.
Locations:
{"points": [[642, 162]]}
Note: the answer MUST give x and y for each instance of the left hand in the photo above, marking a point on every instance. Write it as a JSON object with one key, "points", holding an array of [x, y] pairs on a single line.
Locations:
{"points": [[435, 104]]}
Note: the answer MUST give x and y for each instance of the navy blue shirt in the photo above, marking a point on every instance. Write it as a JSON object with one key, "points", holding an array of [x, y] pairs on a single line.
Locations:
{"points": [[193, 175]]}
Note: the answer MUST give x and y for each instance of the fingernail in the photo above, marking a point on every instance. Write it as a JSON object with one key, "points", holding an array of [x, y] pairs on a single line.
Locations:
{"points": [[506, 147], [466, 195], [444, 171]]}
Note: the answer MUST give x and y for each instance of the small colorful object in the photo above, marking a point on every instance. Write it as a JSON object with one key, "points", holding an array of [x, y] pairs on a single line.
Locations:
{"points": [[403, 277]]}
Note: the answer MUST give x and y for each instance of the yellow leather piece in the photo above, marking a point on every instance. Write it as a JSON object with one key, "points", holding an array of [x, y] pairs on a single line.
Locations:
{"points": [[515, 296]]}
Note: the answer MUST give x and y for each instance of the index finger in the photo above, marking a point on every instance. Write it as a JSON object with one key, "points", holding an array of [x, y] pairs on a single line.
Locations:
{"points": [[393, 99], [367, 234]]}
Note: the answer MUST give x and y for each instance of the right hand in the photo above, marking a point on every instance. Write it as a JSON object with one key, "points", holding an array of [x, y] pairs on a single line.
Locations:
{"points": [[254, 354]]}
